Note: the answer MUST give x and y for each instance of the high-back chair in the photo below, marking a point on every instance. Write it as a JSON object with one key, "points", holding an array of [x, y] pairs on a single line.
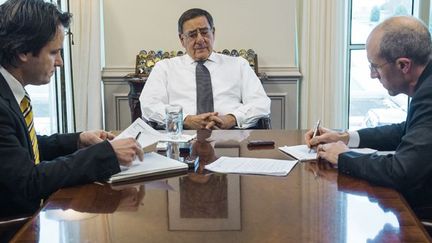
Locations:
{"points": [[145, 62]]}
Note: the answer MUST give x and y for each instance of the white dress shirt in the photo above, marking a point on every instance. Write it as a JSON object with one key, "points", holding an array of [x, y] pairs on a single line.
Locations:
{"points": [[236, 89], [16, 87]]}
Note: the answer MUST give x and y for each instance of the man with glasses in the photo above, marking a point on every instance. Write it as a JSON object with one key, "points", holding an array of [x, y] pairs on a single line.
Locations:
{"points": [[399, 51], [216, 91]]}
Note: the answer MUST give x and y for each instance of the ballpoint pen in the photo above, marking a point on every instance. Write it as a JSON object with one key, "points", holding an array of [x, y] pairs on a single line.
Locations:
{"points": [[137, 136], [316, 131]]}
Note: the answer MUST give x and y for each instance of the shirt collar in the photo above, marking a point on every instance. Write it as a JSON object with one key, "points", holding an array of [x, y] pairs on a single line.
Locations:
{"points": [[16, 87], [211, 58]]}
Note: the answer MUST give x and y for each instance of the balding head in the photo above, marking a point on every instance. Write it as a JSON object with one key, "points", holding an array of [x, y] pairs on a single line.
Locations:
{"points": [[402, 36]]}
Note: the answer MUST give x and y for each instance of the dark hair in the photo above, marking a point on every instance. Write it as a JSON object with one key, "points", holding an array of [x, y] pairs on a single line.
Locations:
{"points": [[27, 26], [191, 14], [410, 39]]}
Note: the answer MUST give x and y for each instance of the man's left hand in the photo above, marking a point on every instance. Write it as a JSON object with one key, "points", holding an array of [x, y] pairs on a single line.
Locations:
{"points": [[88, 138], [224, 122], [331, 151]]}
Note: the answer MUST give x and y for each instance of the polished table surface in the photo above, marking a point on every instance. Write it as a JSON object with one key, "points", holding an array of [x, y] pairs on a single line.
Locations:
{"points": [[313, 203]]}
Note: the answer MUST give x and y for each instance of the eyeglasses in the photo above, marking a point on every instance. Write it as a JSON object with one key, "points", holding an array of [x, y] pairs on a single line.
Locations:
{"points": [[193, 34], [374, 67]]}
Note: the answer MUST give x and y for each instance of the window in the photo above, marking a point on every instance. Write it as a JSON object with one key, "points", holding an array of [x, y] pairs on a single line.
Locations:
{"points": [[369, 103]]}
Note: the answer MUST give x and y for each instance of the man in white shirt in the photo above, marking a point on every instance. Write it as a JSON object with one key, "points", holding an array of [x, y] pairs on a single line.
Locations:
{"points": [[238, 98]]}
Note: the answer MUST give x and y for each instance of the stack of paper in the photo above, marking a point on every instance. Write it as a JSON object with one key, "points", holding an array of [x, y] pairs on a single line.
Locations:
{"points": [[153, 164], [273, 167], [303, 153]]}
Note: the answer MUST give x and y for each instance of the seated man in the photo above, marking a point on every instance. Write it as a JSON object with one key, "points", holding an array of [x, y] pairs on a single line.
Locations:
{"points": [[216, 91], [399, 52], [32, 167]]}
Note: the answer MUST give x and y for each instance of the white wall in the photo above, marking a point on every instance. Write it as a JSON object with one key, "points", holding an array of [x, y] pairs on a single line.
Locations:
{"points": [[268, 27]]}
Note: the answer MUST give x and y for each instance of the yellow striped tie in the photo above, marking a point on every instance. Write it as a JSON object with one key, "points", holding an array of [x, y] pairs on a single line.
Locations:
{"points": [[26, 109]]}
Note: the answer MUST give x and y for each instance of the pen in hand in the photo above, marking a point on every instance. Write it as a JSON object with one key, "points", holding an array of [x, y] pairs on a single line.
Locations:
{"points": [[137, 136], [315, 132]]}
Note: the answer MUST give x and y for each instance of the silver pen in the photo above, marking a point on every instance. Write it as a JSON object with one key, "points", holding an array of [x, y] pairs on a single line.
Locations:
{"points": [[316, 130]]}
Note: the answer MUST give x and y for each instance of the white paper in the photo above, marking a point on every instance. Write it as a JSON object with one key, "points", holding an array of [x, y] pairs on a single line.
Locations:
{"points": [[301, 152], [153, 164], [273, 167], [149, 135]]}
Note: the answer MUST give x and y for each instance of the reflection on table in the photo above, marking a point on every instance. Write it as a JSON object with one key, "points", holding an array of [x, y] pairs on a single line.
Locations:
{"points": [[312, 204]]}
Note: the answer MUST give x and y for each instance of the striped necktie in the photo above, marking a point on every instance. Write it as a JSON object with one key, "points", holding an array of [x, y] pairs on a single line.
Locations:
{"points": [[26, 109], [204, 89]]}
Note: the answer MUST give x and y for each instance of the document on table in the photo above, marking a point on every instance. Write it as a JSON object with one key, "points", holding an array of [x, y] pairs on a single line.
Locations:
{"points": [[149, 135], [301, 152], [236, 165], [153, 164]]}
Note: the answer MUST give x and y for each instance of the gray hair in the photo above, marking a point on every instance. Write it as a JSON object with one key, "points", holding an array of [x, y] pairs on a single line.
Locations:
{"points": [[405, 37]]}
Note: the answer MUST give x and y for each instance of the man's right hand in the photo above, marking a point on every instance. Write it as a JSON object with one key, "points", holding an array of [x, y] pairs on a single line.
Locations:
{"points": [[126, 149], [325, 136], [201, 121]]}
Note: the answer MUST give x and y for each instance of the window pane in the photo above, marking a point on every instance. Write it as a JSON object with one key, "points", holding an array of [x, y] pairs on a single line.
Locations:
{"points": [[370, 103], [366, 14], [44, 108]]}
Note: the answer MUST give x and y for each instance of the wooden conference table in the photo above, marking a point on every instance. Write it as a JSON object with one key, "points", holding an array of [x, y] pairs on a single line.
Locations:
{"points": [[312, 204]]}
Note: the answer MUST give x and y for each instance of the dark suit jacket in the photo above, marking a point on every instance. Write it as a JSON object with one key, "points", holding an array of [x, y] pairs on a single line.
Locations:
{"points": [[409, 170], [23, 184]]}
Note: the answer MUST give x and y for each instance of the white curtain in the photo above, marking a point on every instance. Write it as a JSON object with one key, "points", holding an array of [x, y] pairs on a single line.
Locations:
{"points": [[321, 28], [86, 63]]}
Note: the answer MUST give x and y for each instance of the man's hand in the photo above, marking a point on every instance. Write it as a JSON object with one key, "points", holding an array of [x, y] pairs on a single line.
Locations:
{"points": [[331, 151], [126, 150], [88, 138], [201, 121], [325, 136], [224, 122]]}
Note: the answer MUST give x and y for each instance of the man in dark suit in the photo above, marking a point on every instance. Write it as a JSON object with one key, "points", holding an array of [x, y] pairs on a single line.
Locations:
{"points": [[32, 167], [399, 52]]}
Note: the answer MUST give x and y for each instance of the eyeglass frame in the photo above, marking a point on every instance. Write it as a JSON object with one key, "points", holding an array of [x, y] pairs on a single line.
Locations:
{"points": [[374, 67], [193, 34]]}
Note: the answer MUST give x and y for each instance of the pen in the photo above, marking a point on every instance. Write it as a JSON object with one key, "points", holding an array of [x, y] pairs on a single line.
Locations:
{"points": [[316, 130], [138, 135]]}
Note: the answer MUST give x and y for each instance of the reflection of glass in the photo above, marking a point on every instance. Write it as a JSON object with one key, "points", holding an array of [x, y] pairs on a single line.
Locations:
{"points": [[202, 150]]}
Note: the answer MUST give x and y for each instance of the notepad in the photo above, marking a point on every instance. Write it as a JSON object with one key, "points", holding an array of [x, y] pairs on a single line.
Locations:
{"points": [[154, 164], [301, 152], [274, 167]]}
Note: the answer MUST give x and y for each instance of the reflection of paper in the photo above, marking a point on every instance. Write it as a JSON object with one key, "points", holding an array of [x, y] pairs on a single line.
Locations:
{"points": [[227, 135], [273, 167], [159, 185], [301, 152], [149, 135]]}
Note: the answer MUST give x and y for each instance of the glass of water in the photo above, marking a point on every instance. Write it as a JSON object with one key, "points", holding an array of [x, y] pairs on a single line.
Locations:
{"points": [[174, 120]]}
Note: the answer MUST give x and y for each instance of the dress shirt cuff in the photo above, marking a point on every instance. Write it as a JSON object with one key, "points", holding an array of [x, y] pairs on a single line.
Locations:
{"points": [[239, 119], [354, 139]]}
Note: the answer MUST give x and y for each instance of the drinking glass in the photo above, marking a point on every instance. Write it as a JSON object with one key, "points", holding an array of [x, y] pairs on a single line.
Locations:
{"points": [[174, 120]]}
